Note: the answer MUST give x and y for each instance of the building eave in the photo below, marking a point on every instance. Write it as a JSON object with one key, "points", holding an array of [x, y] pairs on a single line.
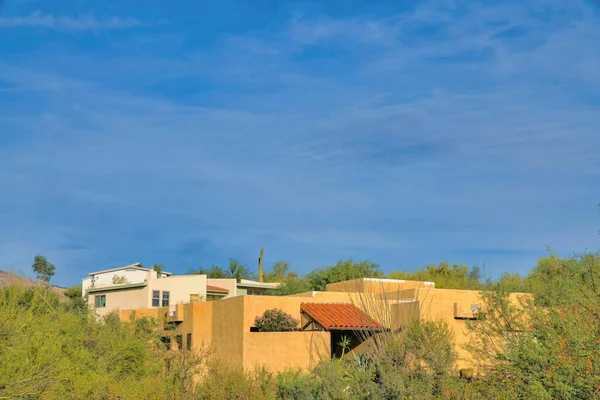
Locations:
{"points": [[116, 287], [135, 266], [256, 285]]}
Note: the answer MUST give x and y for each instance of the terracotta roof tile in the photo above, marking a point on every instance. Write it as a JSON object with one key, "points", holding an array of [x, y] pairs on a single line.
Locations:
{"points": [[212, 288], [339, 316]]}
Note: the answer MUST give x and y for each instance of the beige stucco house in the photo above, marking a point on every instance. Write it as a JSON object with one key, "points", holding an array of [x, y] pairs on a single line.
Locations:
{"points": [[136, 287]]}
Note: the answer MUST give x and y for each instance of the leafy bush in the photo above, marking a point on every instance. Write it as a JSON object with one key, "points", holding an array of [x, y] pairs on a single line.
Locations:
{"points": [[222, 382], [547, 348], [48, 350], [276, 320], [293, 385]]}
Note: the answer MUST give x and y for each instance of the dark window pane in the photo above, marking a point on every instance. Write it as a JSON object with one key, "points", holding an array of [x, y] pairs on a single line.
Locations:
{"points": [[166, 341], [189, 341], [179, 339], [100, 300]]}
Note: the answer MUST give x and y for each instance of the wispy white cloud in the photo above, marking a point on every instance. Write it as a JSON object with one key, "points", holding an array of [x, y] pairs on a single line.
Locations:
{"points": [[412, 147], [85, 22]]}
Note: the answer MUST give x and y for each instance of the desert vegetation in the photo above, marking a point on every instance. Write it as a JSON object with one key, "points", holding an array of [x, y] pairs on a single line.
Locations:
{"points": [[52, 347]]}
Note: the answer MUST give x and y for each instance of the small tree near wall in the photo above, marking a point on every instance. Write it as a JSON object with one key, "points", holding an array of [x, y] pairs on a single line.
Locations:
{"points": [[276, 320], [119, 280]]}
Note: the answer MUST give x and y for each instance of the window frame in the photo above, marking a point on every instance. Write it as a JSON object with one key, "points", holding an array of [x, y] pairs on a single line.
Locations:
{"points": [[157, 298], [100, 301], [165, 300]]}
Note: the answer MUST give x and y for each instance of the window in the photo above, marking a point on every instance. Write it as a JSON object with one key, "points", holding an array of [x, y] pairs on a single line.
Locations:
{"points": [[179, 339], [155, 298], [100, 300], [166, 341], [165, 299], [189, 341]]}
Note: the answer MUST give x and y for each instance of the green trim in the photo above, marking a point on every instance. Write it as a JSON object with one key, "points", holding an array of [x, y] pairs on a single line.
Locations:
{"points": [[118, 287], [218, 292]]}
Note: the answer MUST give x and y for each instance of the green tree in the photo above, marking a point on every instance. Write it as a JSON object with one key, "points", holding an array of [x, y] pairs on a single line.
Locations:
{"points": [[43, 269], [238, 270], [342, 271], [510, 283], [290, 286], [215, 272], [73, 292], [279, 271], [457, 276]]}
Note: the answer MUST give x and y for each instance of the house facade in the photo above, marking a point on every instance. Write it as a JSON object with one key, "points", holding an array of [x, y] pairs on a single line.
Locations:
{"points": [[360, 309], [136, 287]]}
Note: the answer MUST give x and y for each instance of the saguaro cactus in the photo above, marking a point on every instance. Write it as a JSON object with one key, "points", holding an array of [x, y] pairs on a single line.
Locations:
{"points": [[260, 266]]}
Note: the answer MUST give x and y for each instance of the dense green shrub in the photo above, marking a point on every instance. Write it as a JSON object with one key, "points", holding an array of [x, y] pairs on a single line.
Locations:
{"points": [[292, 385], [276, 320], [221, 382], [50, 351]]}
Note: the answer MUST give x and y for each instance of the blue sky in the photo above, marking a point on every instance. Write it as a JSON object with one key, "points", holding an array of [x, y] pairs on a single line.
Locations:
{"points": [[188, 132]]}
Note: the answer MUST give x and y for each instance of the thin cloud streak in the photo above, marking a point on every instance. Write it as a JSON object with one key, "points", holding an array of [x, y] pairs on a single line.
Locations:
{"points": [[86, 22]]}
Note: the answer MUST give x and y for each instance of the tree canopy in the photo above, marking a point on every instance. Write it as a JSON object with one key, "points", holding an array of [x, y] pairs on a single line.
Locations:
{"points": [[342, 271], [235, 270], [43, 268], [457, 276]]}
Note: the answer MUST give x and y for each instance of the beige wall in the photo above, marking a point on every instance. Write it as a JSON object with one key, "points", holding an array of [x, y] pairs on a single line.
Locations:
{"points": [[179, 287], [117, 300], [286, 350], [453, 295], [227, 330]]}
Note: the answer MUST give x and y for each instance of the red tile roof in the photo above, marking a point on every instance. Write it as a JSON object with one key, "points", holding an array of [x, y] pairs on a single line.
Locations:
{"points": [[212, 288], [339, 316]]}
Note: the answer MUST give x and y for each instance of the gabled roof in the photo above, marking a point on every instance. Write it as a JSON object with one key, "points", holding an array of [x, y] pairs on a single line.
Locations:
{"points": [[211, 288], [339, 316], [137, 266]]}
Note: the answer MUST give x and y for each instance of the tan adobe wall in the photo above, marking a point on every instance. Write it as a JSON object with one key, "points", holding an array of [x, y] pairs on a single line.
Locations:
{"points": [[227, 330], [278, 351], [156, 313], [330, 297], [372, 285], [452, 295], [255, 306], [225, 324]]}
